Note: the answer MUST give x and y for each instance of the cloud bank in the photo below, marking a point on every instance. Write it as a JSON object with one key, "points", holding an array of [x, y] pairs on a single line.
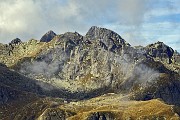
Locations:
{"points": [[28, 19]]}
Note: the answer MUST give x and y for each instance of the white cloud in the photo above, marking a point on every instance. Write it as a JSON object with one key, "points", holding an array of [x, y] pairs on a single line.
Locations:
{"points": [[19, 18], [32, 18], [158, 12], [148, 33], [171, 40], [28, 19]]}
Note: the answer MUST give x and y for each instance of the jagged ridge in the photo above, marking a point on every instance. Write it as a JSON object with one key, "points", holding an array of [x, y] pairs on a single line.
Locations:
{"points": [[97, 63]]}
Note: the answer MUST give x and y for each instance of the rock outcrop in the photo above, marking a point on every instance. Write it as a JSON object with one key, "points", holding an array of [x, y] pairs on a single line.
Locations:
{"points": [[76, 67], [161, 51], [101, 116], [176, 58], [48, 36], [166, 86], [106, 38], [16, 41]]}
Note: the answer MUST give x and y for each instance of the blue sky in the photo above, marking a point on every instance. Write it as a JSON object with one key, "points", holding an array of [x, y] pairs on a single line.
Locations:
{"points": [[139, 22]]}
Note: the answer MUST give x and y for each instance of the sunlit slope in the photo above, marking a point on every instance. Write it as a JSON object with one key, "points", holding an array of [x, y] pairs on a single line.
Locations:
{"points": [[110, 107]]}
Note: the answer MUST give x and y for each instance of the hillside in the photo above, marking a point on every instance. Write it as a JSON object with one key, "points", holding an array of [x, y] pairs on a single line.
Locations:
{"points": [[80, 69]]}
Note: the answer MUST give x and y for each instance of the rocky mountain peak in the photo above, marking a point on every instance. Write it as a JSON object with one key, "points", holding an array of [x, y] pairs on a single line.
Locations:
{"points": [[49, 79], [16, 41], [160, 50], [98, 32], [108, 38], [70, 38], [48, 36]]}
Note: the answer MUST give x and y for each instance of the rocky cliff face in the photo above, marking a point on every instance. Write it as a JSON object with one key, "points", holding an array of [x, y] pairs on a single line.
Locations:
{"points": [[72, 66], [107, 39], [161, 51], [164, 87], [48, 36]]}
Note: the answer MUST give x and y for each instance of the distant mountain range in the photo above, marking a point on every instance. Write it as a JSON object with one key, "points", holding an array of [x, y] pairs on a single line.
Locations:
{"points": [[70, 76]]}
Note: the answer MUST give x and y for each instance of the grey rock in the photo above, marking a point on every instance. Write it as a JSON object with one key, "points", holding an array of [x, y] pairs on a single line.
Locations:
{"points": [[101, 116], [176, 57], [48, 36], [100, 61], [16, 41], [161, 51], [106, 38]]}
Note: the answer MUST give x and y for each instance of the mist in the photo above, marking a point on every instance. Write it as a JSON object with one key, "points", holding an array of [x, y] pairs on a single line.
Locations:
{"points": [[66, 70], [47, 65]]}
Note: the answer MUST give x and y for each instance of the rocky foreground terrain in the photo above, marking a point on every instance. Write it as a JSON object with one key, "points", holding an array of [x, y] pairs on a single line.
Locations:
{"points": [[98, 76]]}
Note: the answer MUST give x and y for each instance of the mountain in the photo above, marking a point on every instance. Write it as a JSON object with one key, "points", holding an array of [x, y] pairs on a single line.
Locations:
{"points": [[48, 36], [106, 38], [62, 72], [161, 51]]}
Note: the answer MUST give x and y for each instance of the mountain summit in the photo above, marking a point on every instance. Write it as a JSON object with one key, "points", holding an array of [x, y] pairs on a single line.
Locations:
{"points": [[48, 79], [48, 36], [110, 39]]}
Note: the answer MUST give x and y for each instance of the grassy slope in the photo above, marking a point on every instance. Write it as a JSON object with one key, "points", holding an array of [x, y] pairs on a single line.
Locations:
{"points": [[116, 107]]}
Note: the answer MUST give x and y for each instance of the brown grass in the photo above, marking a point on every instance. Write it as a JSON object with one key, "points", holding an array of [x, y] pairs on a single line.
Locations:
{"points": [[121, 110]]}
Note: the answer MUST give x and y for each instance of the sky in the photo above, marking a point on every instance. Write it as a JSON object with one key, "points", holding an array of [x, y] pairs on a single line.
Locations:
{"points": [[139, 22]]}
